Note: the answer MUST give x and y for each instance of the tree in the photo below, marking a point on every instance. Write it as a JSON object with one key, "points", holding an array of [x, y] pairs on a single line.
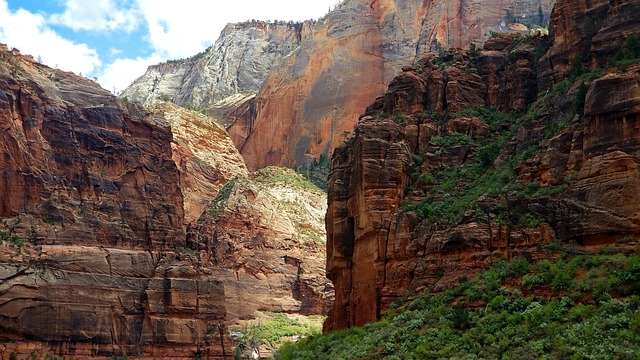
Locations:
{"points": [[631, 47], [540, 15]]}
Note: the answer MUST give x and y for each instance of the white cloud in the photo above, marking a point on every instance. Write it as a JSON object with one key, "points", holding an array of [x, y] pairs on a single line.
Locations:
{"points": [[176, 29], [96, 15], [118, 75], [28, 32]]}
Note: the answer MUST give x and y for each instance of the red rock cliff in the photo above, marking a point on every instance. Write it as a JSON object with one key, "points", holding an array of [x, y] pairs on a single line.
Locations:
{"points": [[104, 248], [586, 35], [433, 181], [311, 100], [92, 210]]}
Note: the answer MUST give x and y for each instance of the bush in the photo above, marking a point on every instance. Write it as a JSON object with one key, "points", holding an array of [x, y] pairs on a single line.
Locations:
{"points": [[630, 48], [510, 326]]}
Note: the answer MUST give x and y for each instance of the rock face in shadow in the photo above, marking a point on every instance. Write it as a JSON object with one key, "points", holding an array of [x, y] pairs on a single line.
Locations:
{"points": [[586, 35], [426, 187], [100, 249]]}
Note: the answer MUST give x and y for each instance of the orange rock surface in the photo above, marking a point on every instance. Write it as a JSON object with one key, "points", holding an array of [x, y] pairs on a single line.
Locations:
{"points": [[311, 101]]}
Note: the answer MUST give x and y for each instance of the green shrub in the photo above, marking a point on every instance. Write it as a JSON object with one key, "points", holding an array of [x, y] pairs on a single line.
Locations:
{"points": [[630, 48], [509, 326], [451, 140]]}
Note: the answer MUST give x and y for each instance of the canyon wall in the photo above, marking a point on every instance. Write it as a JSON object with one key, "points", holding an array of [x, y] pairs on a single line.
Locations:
{"points": [[104, 248], [310, 102], [464, 162], [289, 92], [92, 212], [238, 62]]}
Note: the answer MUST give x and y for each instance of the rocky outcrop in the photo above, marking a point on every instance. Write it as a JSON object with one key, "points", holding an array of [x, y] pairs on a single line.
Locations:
{"points": [[419, 197], [267, 234], [204, 154], [372, 242], [101, 251], [238, 62], [309, 102], [92, 214], [586, 35]]}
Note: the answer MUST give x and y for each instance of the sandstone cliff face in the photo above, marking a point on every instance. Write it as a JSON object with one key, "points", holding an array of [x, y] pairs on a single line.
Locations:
{"points": [[267, 233], [92, 211], [100, 249], [418, 192], [238, 62], [204, 154], [586, 35], [310, 101]]}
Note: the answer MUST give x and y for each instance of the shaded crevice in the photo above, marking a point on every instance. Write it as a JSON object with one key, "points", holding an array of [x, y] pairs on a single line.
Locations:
{"points": [[445, 83]]}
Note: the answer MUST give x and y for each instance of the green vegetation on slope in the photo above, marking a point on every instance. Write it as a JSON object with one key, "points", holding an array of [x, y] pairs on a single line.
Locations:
{"points": [[273, 175], [507, 312], [275, 329], [452, 192], [492, 167], [317, 171]]}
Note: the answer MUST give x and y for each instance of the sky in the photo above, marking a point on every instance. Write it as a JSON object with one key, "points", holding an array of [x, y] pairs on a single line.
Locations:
{"points": [[115, 40]]}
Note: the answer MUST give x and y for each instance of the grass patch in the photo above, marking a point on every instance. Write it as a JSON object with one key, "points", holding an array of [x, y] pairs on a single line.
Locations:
{"points": [[218, 204], [276, 176], [275, 329]]}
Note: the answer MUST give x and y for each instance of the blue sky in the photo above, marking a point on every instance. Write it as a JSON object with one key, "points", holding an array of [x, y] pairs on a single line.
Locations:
{"points": [[115, 40]]}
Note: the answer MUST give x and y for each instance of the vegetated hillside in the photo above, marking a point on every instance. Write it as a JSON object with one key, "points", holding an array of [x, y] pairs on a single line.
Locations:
{"points": [[470, 217], [568, 307], [469, 158], [139, 231]]}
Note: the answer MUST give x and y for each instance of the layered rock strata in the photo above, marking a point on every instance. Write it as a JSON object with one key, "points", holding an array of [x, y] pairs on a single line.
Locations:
{"points": [[92, 212], [311, 101], [410, 196], [238, 62], [101, 251]]}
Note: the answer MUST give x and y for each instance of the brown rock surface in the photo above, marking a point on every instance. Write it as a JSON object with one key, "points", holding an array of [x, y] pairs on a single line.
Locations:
{"points": [[316, 93], [100, 201], [459, 80], [589, 33], [92, 208], [266, 237], [389, 234]]}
